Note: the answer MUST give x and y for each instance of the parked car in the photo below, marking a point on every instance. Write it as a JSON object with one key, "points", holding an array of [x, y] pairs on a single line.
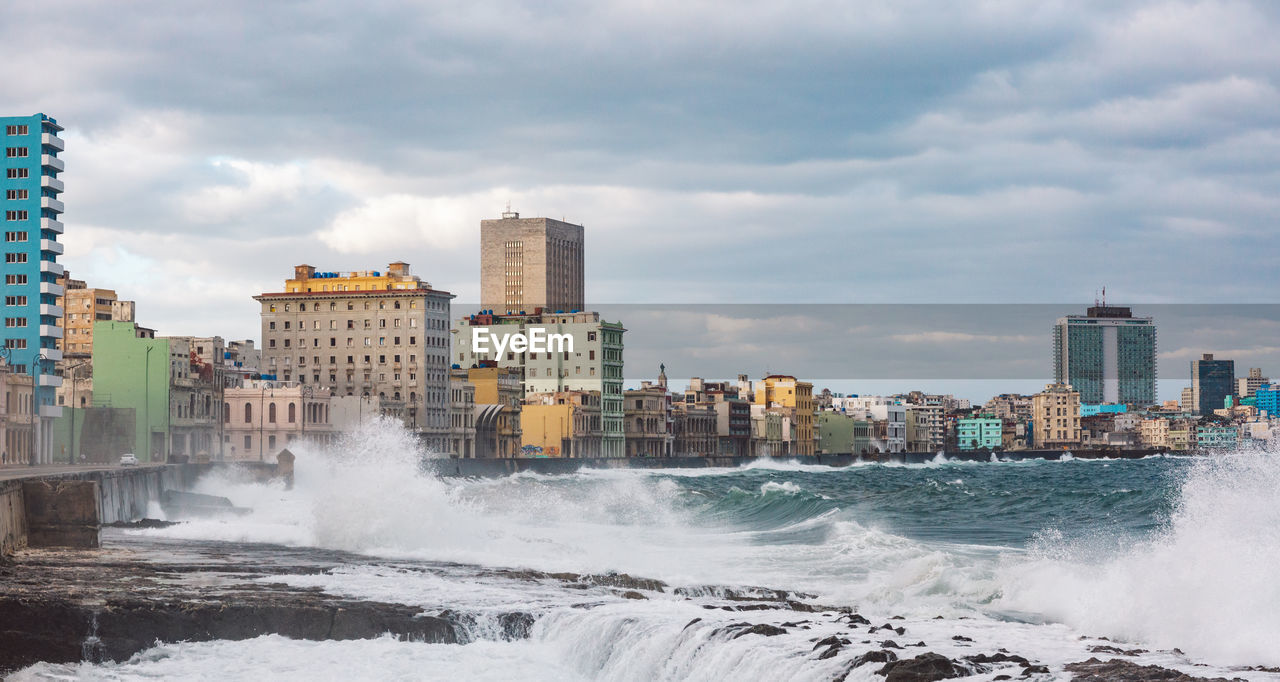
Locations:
{"points": [[128, 461]]}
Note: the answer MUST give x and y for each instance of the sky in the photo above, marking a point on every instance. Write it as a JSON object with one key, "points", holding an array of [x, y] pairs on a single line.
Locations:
{"points": [[746, 153]]}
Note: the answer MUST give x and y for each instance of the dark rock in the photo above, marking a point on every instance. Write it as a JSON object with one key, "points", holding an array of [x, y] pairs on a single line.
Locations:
{"points": [[874, 657], [1107, 649], [632, 594], [998, 658], [831, 652], [762, 629], [1094, 670], [918, 644], [1034, 670], [516, 625], [141, 523], [854, 619], [624, 581], [923, 668], [961, 638], [829, 641], [890, 644], [690, 623]]}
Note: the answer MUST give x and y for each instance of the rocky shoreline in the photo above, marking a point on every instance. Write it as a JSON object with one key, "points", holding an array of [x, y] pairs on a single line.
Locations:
{"points": [[67, 606]]}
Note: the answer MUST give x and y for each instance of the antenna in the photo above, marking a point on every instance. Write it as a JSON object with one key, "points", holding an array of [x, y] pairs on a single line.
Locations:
{"points": [[509, 213], [1104, 296]]}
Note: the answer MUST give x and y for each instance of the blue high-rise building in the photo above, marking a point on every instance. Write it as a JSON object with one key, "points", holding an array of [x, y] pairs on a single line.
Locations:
{"points": [[1108, 355], [30, 211]]}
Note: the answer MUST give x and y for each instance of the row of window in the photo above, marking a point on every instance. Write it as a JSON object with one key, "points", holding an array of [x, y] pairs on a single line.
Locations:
{"points": [[333, 305], [15, 279], [16, 130], [15, 300], [368, 341], [15, 215], [15, 258], [15, 344], [16, 194], [11, 237], [17, 173], [16, 152], [351, 324]]}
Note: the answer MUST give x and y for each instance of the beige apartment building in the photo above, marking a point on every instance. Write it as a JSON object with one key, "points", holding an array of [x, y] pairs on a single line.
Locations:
{"points": [[1056, 415], [368, 334], [263, 417], [17, 419], [528, 264]]}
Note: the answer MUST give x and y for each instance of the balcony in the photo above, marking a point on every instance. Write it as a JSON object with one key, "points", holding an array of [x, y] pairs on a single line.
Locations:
{"points": [[51, 288], [52, 204], [50, 266], [50, 331], [51, 140], [51, 225], [52, 354], [55, 163], [51, 183], [50, 246], [54, 310], [51, 411], [50, 380]]}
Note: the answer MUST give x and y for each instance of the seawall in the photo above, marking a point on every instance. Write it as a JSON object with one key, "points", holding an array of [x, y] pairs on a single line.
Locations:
{"points": [[551, 466], [66, 509]]}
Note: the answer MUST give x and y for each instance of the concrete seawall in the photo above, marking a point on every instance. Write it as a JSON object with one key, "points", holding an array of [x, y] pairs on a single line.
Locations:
{"points": [[552, 466], [67, 509]]}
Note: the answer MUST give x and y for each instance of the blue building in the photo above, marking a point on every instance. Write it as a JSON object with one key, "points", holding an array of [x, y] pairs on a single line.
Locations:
{"points": [[1108, 355], [1089, 410], [1211, 382], [1267, 399], [983, 431], [31, 210]]}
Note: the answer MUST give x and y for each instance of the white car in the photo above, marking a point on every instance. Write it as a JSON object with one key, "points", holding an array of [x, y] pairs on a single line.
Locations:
{"points": [[128, 461]]}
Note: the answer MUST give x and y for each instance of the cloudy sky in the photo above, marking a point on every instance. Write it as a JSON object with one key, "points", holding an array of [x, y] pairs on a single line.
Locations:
{"points": [[747, 152]]}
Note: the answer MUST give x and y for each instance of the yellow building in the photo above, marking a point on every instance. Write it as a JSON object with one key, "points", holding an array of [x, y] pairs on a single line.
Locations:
{"points": [[81, 308], [793, 399], [306, 279], [498, 393], [561, 424]]}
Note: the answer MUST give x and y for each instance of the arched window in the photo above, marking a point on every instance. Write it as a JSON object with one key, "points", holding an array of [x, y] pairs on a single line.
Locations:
{"points": [[248, 412], [271, 413], [293, 413], [226, 413]]}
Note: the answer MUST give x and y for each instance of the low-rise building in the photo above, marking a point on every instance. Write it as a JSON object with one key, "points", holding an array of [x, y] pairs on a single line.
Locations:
{"points": [[1216, 437], [649, 423], [842, 434], [264, 417], [981, 432], [561, 424], [498, 394], [17, 417], [694, 427], [794, 400]]}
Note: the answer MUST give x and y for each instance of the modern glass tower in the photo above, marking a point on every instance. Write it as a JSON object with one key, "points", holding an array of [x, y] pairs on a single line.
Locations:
{"points": [[1108, 355], [1211, 382], [31, 210]]}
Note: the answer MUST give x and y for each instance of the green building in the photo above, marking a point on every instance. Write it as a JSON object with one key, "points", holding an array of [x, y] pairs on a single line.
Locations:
{"points": [[976, 433], [841, 434], [131, 373]]}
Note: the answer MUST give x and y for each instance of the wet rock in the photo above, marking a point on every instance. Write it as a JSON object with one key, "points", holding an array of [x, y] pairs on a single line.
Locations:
{"points": [[690, 623], [830, 641], [1107, 649], [961, 638], [998, 658], [831, 652], [141, 523], [918, 644], [926, 667], [516, 625], [1035, 670], [874, 657], [764, 629], [854, 619], [632, 594], [624, 581], [1094, 670], [890, 644]]}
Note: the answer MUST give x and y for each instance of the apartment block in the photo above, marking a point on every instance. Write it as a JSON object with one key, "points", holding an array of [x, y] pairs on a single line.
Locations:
{"points": [[1107, 354], [1056, 416], [794, 399], [369, 334]]}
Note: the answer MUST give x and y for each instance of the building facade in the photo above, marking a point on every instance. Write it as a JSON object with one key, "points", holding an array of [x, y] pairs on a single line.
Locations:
{"points": [[1108, 355], [794, 400], [261, 418], [1211, 382], [594, 364], [369, 334], [530, 265], [980, 432], [649, 422], [1056, 415], [564, 424], [31, 225]]}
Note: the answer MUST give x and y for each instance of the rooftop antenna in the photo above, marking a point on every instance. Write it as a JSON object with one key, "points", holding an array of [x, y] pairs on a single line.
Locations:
{"points": [[509, 213], [1104, 296]]}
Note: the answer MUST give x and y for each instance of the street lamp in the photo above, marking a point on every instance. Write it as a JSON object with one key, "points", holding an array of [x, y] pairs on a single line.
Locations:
{"points": [[71, 457], [38, 361], [306, 393]]}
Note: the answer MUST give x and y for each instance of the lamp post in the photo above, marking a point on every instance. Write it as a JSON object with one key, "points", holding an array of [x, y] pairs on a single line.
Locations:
{"points": [[307, 392], [38, 360], [5, 354]]}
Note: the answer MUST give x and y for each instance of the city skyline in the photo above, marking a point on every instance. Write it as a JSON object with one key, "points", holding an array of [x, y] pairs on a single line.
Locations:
{"points": [[1019, 142]]}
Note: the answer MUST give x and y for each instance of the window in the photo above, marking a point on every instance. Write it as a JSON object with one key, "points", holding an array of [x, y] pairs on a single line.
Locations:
{"points": [[11, 322], [248, 443], [16, 152], [16, 344], [293, 413], [271, 413], [17, 173], [15, 279], [248, 418], [15, 300], [15, 130], [15, 215], [271, 343], [286, 322], [271, 325], [15, 194], [15, 258]]}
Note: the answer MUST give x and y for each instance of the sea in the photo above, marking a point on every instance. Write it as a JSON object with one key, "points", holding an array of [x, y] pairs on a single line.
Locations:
{"points": [[1175, 558]]}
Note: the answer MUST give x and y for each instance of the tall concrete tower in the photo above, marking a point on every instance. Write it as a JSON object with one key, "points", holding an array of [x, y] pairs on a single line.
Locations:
{"points": [[530, 263]]}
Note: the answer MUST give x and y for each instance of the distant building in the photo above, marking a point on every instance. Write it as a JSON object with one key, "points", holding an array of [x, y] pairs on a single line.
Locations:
{"points": [[1108, 355], [262, 418], [594, 364], [793, 399], [563, 424], [694, 427], [1056, 415], [925, 428], [843, 434], [888, 417], [1267, 400], [1217, 437], [980, 432], [732, 405], [530, 265], [17, 418], [1211, 382], [497, 409], [1247, 386], [370, 334], [649, 422]]}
